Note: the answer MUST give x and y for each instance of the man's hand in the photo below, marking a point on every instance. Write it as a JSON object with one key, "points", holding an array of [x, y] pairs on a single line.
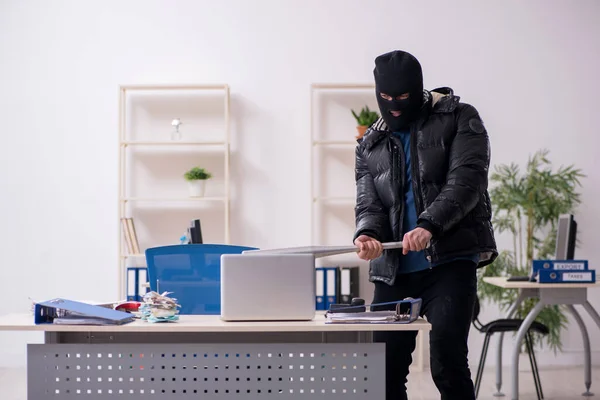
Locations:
{"points": [[369, 248], [415, 240]]}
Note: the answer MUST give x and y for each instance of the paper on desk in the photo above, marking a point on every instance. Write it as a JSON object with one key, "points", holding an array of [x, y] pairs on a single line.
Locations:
{"points": [[368, 316], [74, 320], [159, 308]]}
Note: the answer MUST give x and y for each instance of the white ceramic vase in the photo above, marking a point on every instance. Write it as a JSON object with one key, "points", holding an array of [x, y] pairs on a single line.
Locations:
{"points": [[197, 187]]}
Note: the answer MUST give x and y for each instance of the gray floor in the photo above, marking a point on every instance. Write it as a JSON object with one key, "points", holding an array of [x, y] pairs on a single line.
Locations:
{"points": [[558, 384]]}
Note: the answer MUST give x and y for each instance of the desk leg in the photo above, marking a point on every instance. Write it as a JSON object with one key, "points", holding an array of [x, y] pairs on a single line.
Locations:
{"points": [[51, 337], [520, 335], [590, 309], [586, 348], [513, 309], [364, 337]]}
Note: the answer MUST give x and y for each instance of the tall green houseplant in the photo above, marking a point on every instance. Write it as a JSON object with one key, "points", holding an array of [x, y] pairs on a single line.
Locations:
{"points": [[528, 206]]}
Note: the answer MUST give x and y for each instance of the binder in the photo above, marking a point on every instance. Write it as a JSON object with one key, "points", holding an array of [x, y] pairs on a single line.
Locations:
{"points": [[567, 276], [320, 288], [132, 283], [142, 280], [68, 312], [539, 265], [137, 279], [405, 312], [348, 284], [331, 286]]}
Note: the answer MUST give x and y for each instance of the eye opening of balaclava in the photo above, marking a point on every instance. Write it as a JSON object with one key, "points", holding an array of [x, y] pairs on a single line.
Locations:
{"points": [[398, 74]]}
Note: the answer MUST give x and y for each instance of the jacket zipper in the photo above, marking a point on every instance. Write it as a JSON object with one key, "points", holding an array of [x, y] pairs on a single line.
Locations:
{"points": [[395, 166], [402, 168], [397, 172], [416, 180]]}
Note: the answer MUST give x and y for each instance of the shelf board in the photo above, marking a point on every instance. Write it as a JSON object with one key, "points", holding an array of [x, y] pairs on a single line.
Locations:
{"points": [[343, 86], [335, 143], [172, 143], [173, 199], [335, 199], [174, 87], [132, 255]]}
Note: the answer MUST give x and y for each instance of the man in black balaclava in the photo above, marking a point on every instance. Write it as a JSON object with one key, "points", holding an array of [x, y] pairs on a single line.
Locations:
{"points": [[399, 89], [421, 178]]}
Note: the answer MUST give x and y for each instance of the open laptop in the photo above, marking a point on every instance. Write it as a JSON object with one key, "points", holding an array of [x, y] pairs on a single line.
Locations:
{"points": [[267, 287]]}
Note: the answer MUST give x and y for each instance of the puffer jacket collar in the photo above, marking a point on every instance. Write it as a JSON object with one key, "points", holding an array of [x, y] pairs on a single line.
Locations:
{"points": [[439, 100]]}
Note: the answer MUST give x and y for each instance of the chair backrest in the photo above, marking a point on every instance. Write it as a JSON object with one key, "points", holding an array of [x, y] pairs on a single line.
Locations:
{"points": [[476, 309], [475, 317], [192, 272]]}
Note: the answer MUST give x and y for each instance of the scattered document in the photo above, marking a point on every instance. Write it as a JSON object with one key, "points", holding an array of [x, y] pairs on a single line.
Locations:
{"points": [[159, 308]]}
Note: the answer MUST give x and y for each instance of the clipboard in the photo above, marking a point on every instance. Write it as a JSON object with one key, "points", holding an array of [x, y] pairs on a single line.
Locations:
{"points": [[321, 251], [68, 312]]}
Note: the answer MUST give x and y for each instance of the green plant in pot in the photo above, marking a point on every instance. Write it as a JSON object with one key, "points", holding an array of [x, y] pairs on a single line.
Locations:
{"points": [[364, 119], [527, 206], [197, 178]]}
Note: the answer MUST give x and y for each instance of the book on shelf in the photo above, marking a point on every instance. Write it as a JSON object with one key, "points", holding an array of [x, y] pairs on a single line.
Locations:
{"points": [[133, 246]]}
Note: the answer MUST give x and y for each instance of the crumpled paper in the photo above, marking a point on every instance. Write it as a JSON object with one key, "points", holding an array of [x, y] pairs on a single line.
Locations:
{"points": [[159, 308]]}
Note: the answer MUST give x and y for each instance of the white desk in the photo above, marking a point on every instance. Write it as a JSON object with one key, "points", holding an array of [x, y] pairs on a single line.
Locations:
{"points": [[567, 294], [204, 355]]}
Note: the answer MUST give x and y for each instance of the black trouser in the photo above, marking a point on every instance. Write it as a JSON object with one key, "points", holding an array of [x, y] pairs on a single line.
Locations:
{"points": [[448, 292]]}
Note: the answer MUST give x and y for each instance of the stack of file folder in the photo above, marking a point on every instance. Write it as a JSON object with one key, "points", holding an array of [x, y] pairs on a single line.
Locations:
{"points": [[405, 312], [563, 271], [137, 283], [336, 285], [68, 312]]}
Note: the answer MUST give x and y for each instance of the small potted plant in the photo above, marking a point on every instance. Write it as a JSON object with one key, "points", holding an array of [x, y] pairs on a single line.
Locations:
{"points": [[196, 178], [365, 119]]}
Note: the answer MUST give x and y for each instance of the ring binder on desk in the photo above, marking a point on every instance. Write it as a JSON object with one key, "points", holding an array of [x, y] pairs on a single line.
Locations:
{"points": [[68, 312], [405, 312]]}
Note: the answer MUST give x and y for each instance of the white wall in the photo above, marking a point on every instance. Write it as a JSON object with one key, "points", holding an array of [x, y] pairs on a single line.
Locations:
{"points": [[529, 67]]}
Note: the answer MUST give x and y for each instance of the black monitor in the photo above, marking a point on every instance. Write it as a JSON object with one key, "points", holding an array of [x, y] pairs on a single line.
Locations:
{"points": [[566, 234]]}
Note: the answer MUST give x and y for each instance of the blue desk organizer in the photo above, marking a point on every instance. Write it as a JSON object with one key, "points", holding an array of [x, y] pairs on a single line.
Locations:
{"points": [[192, 272]]}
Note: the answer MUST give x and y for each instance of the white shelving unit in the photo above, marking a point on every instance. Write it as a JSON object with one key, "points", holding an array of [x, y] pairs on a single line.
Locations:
{"points": [[327, 100], [152, 189], [333, 144]]}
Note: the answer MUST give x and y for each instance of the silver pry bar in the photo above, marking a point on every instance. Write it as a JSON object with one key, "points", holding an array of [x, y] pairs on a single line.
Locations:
{"points": [[322, 251]]}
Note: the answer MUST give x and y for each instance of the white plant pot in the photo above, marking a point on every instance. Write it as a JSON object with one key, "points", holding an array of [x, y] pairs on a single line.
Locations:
{"points": [[197, 187]]}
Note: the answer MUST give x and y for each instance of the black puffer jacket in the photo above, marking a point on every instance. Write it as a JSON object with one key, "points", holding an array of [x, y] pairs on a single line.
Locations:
{"points": [[450, 156]]}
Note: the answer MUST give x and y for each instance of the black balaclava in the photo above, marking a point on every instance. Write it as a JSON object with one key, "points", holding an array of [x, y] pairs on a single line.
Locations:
{"points": [[396, 73]]}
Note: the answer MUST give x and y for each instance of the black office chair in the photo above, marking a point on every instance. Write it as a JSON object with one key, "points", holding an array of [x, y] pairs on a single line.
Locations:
{"points": [[507, 325]]}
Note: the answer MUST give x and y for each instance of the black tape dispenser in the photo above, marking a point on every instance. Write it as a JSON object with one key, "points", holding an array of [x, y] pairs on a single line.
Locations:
{"points": [[357, 305]]}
